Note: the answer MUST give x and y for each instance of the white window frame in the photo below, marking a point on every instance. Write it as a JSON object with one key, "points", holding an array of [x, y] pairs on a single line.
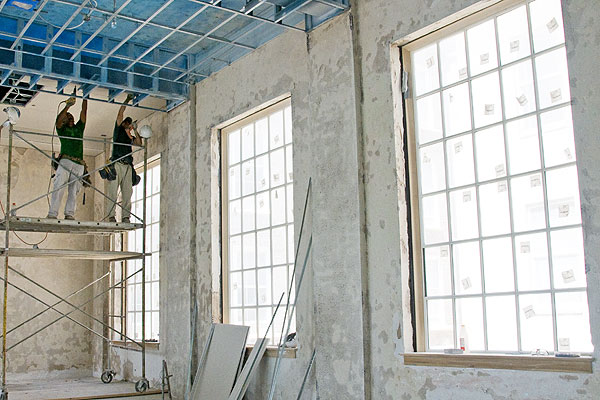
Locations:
{"points": [[442, 30], [287, 187]]}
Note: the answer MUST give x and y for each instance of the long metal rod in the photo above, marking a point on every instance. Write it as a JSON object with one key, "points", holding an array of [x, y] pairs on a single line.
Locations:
{"points": [[6, 245], [76, 308], [57, 303], [81, 305], [28, 24], [58, 311], [64, 26], [289, 323], [306, 198], [310, 364], [3, 4], [144, 260], [74, 180]]}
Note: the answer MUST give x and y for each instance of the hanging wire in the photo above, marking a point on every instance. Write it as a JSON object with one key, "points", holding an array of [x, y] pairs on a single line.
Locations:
{"points": [[86, 17]]}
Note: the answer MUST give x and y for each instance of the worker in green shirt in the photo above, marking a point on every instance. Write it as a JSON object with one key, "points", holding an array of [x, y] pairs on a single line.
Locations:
{"points": [[71, 164]]}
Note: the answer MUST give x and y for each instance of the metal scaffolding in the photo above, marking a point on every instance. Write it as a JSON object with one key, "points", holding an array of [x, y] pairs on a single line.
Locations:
{"points": [[14, 223]]}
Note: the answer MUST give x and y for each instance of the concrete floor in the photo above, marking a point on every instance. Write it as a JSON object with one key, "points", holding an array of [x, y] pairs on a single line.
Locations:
{"points": [[76, 389]]}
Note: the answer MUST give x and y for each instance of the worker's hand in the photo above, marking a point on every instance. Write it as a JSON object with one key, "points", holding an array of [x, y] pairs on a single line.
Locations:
{"points": [[129, 97], [70, 101]]}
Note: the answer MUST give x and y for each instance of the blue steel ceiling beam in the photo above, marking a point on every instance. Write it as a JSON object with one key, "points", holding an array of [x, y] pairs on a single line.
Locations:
{"points": [[154, 24], [33, 80], [76, 64], [112, 93], [28, 24], [3, 4], [100, 29], [65, 26], [43, 90], [293, 7], [19, 68], [253, 5], [333, 3], [97, 52], [243, 13], [154, 46], [136, 30]]}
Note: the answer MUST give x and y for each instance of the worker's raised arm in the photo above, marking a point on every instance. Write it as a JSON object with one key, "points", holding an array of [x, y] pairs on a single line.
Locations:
{"points": [[62, 116], [122, 109], [137, 139], [83, 114]]}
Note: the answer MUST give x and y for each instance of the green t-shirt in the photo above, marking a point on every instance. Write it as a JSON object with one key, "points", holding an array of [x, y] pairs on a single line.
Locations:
{"points": [[72, 148]]}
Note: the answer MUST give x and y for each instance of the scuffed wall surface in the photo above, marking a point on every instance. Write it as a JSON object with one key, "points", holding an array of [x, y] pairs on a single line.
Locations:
{"points": [[63, 349]]}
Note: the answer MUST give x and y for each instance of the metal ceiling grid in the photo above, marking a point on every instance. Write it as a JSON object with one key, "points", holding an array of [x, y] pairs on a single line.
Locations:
{"points": [[148, 47]]}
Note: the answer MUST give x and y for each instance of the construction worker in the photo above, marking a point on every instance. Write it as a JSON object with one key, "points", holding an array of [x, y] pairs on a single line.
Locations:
{"points": [[124, 135], [70, 160]]}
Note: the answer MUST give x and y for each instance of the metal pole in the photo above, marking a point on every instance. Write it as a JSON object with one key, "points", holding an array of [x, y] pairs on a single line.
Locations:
{"points": [[6, 244], [144, 260], [310, 364]]}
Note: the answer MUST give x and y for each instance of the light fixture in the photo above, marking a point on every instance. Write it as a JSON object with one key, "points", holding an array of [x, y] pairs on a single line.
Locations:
{"points": [[23, 4], [146, 132], [13, 115]]}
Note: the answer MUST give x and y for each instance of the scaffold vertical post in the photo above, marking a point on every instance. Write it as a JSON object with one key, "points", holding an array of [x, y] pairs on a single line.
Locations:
{"points": [[6, 246], [144, 224]]}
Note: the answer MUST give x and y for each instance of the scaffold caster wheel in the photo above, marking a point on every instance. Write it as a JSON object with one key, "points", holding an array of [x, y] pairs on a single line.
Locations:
{"points": [[107, 376], [142, 385]]}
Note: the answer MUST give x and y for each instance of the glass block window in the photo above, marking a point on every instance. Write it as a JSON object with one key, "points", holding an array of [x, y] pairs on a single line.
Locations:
{"points": [[134, 243], [258, 223], [500, 216]]}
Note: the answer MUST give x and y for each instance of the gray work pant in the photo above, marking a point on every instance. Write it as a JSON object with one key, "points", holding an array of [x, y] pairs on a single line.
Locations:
{"points": [[124, 180], [67, 171]]}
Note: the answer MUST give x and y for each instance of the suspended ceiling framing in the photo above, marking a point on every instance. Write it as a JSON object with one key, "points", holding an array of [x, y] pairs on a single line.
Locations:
{"points": [[147, 47]]}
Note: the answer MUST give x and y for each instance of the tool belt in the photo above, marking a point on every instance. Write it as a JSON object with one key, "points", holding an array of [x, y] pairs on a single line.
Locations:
{"points": [[86, 180]]}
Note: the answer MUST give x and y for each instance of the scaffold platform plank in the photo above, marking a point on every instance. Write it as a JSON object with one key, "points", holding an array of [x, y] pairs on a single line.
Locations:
{"points": [[48, 225], [73, 254]]}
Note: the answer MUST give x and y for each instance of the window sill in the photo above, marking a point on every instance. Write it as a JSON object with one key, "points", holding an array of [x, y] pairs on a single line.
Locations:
{"points": [[492, 361], [133, 346], [272, 352]]}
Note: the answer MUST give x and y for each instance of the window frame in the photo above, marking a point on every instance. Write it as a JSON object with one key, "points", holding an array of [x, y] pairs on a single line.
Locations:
{"points": [[242, 120], [471, 16], [118, 242]]}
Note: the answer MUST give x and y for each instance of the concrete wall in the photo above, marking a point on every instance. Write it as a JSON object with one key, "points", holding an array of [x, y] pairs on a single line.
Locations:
{"points": [[347, 137], [63, 349]]}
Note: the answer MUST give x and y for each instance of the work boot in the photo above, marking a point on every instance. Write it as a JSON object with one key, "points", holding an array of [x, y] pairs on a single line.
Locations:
{"points": [[70, 217], [50, 216], [112, 219], [125, 220]]}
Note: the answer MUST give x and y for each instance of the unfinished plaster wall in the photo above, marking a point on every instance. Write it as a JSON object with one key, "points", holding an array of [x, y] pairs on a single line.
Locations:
{"points": [[63, 349], [379, 24], [126, 361]]}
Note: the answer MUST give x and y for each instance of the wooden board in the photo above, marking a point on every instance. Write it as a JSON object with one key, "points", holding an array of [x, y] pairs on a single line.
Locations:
{"points": [[491, 361], [72, 254], [34, 224], [219, 365]]}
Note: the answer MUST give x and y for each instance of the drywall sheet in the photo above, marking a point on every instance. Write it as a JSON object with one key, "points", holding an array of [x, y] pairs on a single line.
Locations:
{"points": [[217, 372], [249, 368]]}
